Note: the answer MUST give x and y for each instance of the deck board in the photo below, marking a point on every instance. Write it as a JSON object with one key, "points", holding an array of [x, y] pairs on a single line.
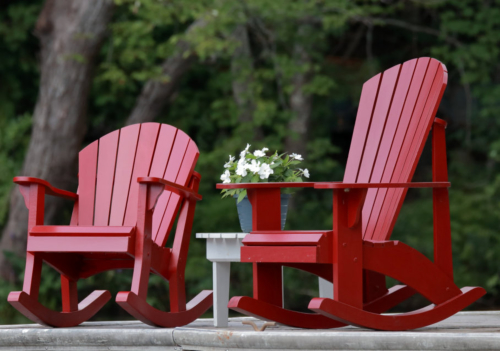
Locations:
{"points": [[464, 331]]}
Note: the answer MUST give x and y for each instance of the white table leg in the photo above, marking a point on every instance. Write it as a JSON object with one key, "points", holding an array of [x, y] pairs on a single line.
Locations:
{"points": [[325, 288], [221, 272]]}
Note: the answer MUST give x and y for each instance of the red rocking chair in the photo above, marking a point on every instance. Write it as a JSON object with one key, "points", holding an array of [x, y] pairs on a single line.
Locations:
{"points": [[395, 115], [132, 184]]}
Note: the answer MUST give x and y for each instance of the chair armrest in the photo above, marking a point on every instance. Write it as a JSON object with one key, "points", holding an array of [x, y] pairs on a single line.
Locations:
{"points": [[265, 185], [173, 187], [338, 185], [49, 189]]}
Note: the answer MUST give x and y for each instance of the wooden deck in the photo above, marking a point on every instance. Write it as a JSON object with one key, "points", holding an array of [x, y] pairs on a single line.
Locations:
{"points": [[464, 331]]}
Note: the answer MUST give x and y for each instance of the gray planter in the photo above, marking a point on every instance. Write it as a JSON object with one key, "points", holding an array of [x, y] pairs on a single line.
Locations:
{"points": [[245, 212]]}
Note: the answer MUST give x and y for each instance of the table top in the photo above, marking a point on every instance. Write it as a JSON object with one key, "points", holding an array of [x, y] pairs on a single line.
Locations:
{"points": [[220, 235]]}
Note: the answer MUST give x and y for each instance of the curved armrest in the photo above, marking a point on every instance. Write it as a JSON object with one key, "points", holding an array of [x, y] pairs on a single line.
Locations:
{"points": [[173, 187], [265, 185], [49, 189], [337, 185]]}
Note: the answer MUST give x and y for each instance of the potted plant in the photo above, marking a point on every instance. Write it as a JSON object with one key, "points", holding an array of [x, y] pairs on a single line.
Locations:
{"points": [[259, 167]]}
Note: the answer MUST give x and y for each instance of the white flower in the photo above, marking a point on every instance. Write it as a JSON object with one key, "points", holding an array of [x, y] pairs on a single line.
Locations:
{"points": [[225, 177], [305, 172], [215, 13], [228, 164], [244, 152], [260, 153], [254, 166], [265, 171], [241, 169], [297, 157]]}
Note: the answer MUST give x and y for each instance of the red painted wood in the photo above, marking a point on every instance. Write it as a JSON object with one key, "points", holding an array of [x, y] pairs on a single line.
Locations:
{"points": [[127, 147], [267, 283], [143, 159], [184, 176], [441, 207], [266, 209], [361, 128], [336, 185], [413, 141], [374, 135], [429, 113], [265, 185], [164, 145], [49, 189], [173, 187], [283, 254], [284, 239], [87, 179], [266, 311], [172, 169], [121, 176], [80, 244], [69, 295], [138, 308], [108, 148], [64, 230], [347, 252], [431, 314], [371, 211], [38, 313]]}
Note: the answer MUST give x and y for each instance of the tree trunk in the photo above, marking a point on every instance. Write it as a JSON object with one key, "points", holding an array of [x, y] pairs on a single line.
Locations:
{"points": [[155, 93], [300, 101], [71, 33], [242, 77]]}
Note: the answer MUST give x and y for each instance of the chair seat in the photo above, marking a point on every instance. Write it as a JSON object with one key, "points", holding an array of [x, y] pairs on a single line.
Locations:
{"points": [[288, 246], [81, 239]]}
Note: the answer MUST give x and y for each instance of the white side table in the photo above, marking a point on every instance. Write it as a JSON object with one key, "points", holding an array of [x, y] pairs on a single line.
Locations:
{"points": [[222, 249]]}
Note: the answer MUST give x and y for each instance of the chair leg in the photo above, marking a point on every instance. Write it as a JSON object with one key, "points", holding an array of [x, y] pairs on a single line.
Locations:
{"points": [[32, 275], [177, 289], [268, 283], [221, 273], [69, 294]]}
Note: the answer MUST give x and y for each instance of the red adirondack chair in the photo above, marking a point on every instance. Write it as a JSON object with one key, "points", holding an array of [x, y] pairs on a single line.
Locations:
{"points": [[132, 184], [395, 115]]}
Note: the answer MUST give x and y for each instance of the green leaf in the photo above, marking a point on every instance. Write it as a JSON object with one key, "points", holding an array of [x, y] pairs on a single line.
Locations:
{"points": [[242, 196]]}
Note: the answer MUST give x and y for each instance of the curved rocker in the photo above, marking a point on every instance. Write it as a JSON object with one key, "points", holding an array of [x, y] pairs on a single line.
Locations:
{"points": [[263, 310], [38, 313], [395, 322], [146, 313]]}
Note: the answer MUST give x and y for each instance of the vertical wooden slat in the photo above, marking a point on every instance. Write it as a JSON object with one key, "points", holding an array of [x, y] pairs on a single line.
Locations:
{"points": [[361, 128], [385, 195], [183, 177], [87, 165], [108, 146], [375, 197], [123, 174], [163, 149], [430, 110], [382, 105], [142, 164], [172, 170], [394, 195]]}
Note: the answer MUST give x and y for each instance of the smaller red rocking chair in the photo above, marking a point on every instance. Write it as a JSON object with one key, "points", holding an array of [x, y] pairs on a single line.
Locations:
{"points": [[132, 184], [395, 114]]}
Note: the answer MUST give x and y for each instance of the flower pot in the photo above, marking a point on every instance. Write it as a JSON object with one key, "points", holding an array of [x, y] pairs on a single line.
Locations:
{"points": [[245, 212]]}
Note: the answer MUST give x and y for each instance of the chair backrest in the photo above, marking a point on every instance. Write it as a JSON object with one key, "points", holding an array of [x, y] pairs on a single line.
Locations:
{"points": [[395, 114], [110, 166]]}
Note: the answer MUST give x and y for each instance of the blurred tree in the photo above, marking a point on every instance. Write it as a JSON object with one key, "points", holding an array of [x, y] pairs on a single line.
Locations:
{"points": [[71, 34]]}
